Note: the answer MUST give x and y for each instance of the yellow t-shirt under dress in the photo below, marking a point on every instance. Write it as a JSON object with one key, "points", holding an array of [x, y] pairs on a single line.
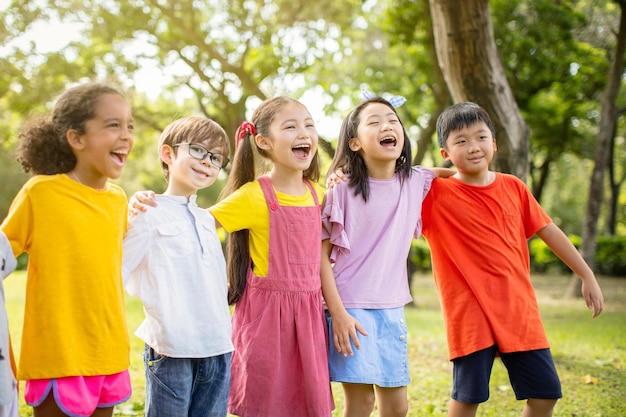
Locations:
{"points": [[246, 208]]}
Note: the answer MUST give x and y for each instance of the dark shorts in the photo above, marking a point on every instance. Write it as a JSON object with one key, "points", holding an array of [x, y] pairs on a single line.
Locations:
{"points": [[532, 375]]}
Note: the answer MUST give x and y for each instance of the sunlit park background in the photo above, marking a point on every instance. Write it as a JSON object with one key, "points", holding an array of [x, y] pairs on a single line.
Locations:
{"points": [[550, 73]]}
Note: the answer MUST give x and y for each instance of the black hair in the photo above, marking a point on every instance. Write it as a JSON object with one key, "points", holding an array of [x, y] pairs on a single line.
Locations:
{"points": [[459, 116], [352, 162]]}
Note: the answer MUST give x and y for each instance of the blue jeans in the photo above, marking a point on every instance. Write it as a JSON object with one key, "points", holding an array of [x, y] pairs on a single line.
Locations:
{"points": [[177, 387]]}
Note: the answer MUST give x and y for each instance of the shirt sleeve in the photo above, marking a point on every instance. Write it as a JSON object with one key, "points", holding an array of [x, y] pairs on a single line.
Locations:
{"points": [[427, 205], [333, 220], [429, 176], [535, 217], [137, 242], [240, 210]]}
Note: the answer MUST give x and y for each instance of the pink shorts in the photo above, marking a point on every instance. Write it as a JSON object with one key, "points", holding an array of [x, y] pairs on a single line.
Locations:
{"points": [[79, 396]]}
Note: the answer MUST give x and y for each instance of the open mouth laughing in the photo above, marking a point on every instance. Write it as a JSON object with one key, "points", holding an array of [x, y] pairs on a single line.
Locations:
{"points": [[389, 141], [119, 157], [302, 151]]}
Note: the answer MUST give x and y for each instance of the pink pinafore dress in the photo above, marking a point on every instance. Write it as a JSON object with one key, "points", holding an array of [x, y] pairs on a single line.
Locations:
{"points": [[280, 363]]}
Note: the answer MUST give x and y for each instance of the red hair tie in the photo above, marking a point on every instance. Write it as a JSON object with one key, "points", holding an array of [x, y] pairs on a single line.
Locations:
{"points": [[243, 129]]}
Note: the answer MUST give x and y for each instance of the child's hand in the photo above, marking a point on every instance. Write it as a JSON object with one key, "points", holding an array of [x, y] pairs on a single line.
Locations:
{"points": [[335, 178], [140, 200], [593, 297], [345, 329]]}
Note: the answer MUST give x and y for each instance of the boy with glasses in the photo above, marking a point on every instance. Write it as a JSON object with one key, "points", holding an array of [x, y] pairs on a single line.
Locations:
{"points": [[173, 262]]}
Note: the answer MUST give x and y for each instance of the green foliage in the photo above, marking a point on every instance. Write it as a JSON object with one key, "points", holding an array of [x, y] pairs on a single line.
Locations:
{"points": [[542, 259], [419, 255], [611, 255], [218, 58], [565, 196], [12, 178]]}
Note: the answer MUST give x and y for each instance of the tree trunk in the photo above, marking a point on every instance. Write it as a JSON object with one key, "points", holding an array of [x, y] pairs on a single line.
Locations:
{"points": [[615, 185], [606, 131], [544, 172], [468, 57], [441, 97]]}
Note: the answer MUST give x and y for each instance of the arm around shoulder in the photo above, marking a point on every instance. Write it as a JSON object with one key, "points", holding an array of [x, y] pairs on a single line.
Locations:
{"points": [[567, 252], [442, 172]]}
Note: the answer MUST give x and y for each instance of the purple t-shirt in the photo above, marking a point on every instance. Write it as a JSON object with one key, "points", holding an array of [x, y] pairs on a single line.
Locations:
{"points": [[371, 240]]}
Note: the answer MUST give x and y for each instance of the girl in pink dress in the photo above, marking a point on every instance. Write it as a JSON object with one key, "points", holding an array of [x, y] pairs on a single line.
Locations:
{"points": [[280, 363]]}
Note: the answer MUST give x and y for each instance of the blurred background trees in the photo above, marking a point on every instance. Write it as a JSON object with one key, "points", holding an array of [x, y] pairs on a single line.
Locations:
{"points": [[541, 68]]}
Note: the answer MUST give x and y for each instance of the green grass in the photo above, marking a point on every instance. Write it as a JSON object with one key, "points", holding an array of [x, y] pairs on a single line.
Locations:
{"points": [[590, 354]]}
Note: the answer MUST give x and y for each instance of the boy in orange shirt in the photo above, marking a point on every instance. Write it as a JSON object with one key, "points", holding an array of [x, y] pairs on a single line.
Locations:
{"points": [[477, 224]]}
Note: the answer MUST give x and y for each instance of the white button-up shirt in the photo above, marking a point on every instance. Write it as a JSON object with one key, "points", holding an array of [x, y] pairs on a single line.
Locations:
{"points": [[174, 263]]}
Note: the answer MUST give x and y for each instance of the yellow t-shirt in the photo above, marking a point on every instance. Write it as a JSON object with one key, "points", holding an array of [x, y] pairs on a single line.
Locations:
{"points": [[75, 316], [246, 208]]}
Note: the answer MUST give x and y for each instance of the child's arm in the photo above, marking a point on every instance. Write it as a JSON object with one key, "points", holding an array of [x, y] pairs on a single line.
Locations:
{"points": [[7, 259], [441, 172], [345, 327], [141, 199], [338, 176], [567, 252]]}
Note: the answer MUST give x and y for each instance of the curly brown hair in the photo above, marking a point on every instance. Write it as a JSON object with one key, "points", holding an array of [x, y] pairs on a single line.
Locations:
{"points": [[43, 148]]}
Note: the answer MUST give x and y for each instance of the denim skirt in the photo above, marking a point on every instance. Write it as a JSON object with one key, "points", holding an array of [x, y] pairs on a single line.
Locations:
{"points": [[382, 359]]}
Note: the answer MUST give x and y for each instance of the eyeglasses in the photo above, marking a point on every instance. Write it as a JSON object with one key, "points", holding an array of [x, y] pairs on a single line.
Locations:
{"points": [[198, 151]]}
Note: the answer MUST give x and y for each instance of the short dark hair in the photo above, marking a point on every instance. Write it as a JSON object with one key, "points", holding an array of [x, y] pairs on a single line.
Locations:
{"points": [[459, 116]]}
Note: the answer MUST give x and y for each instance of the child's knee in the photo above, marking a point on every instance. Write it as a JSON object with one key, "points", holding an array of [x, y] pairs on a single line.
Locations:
{"points": [[397, 409], [540, 407], [359, 400]]}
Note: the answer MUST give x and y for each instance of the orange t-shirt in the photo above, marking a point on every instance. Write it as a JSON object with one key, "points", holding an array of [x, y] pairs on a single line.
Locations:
{"points": [[478, 237]]}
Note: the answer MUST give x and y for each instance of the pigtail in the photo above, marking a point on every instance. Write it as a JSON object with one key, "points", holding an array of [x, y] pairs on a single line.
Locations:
{"points": [[237, 249]]}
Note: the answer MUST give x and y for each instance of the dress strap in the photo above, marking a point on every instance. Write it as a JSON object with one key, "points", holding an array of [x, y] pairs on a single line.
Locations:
{"points": [[313, 193], [268, 192]]}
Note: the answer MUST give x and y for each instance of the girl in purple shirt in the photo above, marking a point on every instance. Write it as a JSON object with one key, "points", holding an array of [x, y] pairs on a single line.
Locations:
{"points": [[368, 223]]}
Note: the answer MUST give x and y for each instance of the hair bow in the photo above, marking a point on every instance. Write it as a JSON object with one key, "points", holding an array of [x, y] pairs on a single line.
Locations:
{"points": [[395, 101], [243, 129]]}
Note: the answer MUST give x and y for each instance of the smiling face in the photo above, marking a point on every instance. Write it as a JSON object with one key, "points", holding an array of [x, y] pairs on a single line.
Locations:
{"points": [[192, 151], [380, 138], [101, 151], [187, 174], [292, 140], [470, 149]]}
